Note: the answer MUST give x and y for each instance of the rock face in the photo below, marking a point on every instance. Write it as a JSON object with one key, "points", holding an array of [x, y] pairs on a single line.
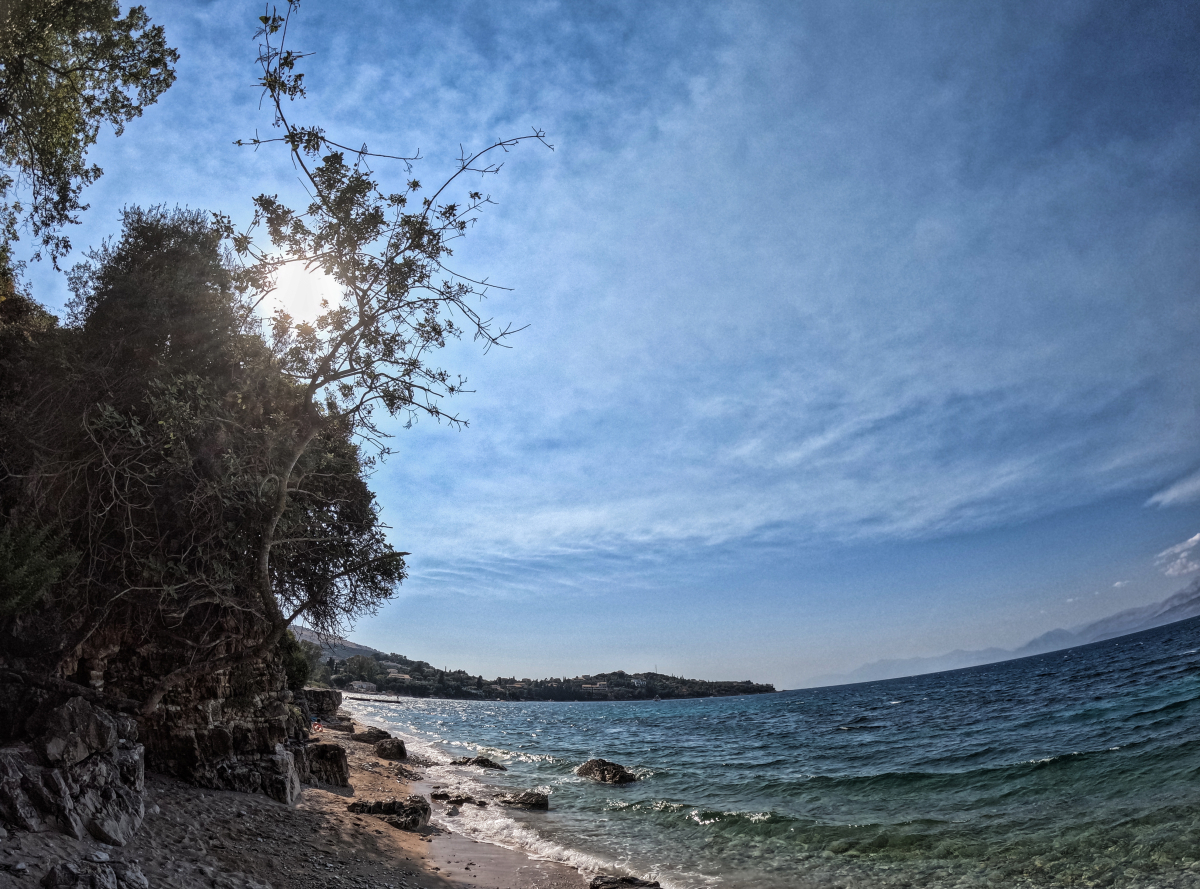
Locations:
{"points": [[481, 761], [230, 730], [323, 763], [370, 735], [527, 799], [605, 772], [322, 702], [407, 814], [605, 882], [83, 774], [391, 748]]}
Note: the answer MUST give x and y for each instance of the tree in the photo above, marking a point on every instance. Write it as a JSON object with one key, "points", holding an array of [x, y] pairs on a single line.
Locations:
{"points": [[146, 435], [66, 68]]}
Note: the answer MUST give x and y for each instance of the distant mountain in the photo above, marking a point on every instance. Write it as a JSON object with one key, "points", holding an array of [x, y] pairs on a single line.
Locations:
{"points": [[1181, 606], [335, 646]]}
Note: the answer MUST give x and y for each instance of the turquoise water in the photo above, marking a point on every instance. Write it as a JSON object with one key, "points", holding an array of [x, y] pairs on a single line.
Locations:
{"points": [[1078, 768]]}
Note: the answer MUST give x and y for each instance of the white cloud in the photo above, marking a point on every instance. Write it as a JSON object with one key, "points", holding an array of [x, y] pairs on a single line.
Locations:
{"points": [[1119, 584], [1177, 560], [1185, 490]]}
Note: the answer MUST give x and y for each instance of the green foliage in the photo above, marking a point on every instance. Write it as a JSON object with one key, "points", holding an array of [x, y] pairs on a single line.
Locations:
{"points": [[158, 433], [67, 67], [295, 661], [31, 559]]}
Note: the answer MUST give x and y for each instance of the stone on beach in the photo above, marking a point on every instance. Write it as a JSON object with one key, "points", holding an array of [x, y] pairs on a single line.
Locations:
{"points": [[605, 772], [391, 748], [481, 761], [370, 735], [607, 882], [406, 814]]}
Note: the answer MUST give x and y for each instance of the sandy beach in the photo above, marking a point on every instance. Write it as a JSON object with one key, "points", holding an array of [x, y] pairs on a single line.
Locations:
{"points": [[193, 837]]}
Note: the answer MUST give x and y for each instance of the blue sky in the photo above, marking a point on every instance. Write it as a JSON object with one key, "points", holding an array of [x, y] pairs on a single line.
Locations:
{"points": [[855, 330]]}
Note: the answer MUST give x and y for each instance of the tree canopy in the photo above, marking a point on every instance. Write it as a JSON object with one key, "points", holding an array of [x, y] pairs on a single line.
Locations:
{"points": [[67, 67]]}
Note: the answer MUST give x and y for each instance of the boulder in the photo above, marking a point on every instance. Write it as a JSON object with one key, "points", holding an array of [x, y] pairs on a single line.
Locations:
{"points": [[323, 763], [411, 813], [481, 761], [391, 748], [527, 799], [605, 772], [370, 735], [606, 882], [323, 702], [82, 775]]}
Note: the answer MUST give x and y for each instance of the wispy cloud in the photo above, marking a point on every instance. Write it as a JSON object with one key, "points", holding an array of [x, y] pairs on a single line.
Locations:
{"points": [[1186, 490], [1177, 560]]}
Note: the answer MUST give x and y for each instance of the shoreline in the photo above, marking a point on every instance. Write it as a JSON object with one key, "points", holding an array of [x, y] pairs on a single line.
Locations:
{"points": [[193, 837]]}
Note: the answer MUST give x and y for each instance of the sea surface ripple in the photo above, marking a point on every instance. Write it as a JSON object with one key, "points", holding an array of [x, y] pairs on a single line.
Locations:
{"points": [[1076, 768]]}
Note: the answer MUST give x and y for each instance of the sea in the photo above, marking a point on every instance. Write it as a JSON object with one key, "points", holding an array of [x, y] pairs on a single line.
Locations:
{"points": [[1075, 768]]}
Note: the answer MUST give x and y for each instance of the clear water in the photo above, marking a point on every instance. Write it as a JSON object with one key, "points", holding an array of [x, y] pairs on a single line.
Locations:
{"points": [[1079, 768]]}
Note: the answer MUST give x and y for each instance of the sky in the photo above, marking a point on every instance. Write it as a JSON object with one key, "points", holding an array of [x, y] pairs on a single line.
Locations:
{"points": [[854, 330]]}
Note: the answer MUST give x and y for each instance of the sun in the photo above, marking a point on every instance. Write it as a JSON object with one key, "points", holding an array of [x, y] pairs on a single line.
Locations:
{"points": [[299, 292]]}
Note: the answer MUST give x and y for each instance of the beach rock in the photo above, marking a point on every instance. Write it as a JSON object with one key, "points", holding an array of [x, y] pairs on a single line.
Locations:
{"points": [[323, 763], [82, 775], [605, 772], [130, 876], [481, 761], [406, 814], [454, 799], [370, 735], [63, 875], [323, 702], [527, 799], [606, 882], [391, 748]]}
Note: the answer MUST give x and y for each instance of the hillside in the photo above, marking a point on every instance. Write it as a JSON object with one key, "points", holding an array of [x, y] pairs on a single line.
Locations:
{"points": [[1182, 605], [344, 662]]}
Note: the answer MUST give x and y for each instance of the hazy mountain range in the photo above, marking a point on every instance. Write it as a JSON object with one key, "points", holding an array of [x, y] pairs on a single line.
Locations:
{"points": [[1181, 606]]}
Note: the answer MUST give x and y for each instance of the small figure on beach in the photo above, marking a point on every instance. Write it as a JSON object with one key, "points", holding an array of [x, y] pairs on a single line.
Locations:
{"points": [[316, 726]]}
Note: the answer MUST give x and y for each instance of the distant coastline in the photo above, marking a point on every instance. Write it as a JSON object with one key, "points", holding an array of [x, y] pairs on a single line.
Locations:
{"points": [[358, 669], [1183, 605]]}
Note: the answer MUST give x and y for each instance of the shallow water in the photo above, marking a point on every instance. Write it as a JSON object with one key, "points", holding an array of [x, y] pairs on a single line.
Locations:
{"points": [[1075, 768]]}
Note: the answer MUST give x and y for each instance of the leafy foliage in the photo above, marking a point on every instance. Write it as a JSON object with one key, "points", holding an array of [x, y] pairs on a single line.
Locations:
{"points": [[66, 68], [162, 424]]}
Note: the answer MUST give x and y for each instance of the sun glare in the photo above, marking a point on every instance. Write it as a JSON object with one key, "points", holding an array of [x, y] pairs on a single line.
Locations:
{"points": [[300, 292]]}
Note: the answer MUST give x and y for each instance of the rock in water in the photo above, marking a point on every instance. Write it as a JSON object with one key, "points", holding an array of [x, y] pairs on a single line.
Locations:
{"points": [[527, 799], [482, 761], [370, 735], [605, 772], [604, 882], [391, 748]]}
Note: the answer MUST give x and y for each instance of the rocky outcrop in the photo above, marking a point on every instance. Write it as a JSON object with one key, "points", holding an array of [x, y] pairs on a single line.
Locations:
{"points": [[82, 774], [527, 799], [605, 772], [323, 703], [391, 748], [481, 761], [230, 730], [370, 735], [407, 814], [322, 763]]}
